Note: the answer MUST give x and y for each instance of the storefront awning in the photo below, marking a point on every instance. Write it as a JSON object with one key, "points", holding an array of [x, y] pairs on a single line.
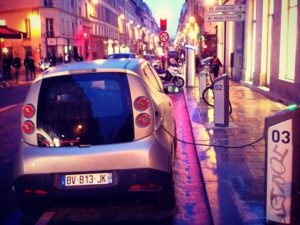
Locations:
{"points": [[9, 33]]}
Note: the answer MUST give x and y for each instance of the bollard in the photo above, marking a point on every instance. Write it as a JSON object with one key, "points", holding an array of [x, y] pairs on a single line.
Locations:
{"points": [[221, 101], [282, 167], [204, 73], [190, 65]]}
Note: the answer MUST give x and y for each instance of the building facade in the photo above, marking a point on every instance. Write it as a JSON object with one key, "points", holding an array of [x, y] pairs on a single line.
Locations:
{"points": [[261, 50], [71, 29]]}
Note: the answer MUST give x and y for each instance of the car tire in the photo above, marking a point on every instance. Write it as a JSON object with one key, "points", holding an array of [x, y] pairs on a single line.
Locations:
{"points": [[166, 199]]}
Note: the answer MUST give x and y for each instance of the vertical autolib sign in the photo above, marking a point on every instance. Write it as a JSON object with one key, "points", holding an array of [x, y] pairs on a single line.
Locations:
{"points": [[279, 177], [282, 167]]}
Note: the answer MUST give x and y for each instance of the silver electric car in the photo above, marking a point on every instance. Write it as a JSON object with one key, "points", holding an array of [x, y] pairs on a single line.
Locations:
{"points": [[102, 128]]}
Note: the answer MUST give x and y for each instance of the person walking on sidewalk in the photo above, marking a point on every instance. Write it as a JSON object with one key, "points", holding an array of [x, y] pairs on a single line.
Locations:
{"points": [[6, 68], [26, 64], [17, 65], [215, 66], [31, 66]]}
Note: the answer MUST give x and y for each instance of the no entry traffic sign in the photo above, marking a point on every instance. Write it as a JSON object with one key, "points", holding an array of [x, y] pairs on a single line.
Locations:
{"points": [[163, 36]]}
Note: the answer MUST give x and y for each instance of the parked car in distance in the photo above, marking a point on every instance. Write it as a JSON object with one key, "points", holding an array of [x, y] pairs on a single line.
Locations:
{"points": [[154, 60], [96, 129], [121, 56]]}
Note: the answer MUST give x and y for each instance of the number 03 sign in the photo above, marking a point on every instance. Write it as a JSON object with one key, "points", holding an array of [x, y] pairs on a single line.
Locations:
{"points": [[279, 172]]}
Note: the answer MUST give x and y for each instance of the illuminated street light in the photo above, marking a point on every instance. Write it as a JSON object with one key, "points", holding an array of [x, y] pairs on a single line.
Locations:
{"points": [[192, 34], [192, 19], [210, 2], [5, 50], [122, 16]]}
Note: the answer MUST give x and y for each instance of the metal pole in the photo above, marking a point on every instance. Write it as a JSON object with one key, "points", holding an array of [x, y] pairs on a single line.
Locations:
{"points": [[224, 61]]}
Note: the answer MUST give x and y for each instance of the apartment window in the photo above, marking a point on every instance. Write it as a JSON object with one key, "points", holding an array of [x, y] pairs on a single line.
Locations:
{"points": [[72, 3], [27, 29], [67, 27], [73, 29], [48, 3], [86, 10], [49, 27], [62, 27], [288, 39]]}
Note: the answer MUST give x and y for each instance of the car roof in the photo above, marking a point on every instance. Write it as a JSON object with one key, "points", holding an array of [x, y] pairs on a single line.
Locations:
{"points": [[128, 54], [130, 65]]}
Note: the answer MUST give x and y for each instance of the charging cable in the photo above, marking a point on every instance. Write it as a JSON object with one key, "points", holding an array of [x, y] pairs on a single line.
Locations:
{"points": [[212, 145]]}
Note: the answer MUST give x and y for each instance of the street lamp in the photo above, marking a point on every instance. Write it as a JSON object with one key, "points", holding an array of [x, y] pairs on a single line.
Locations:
{"points": [[209, 2]]}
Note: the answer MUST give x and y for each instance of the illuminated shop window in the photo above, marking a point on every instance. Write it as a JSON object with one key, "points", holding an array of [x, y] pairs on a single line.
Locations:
{"points": [[288, 40], [27, 29], [48, 3]]}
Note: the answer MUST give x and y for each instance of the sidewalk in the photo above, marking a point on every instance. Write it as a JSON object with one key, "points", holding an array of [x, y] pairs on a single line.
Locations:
{"points": [[234, 177], [22, 78]]}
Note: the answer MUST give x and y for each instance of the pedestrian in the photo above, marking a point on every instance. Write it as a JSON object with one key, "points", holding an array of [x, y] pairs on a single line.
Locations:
{"points": [[17, 65], [60, 59], [31, 66], [10, 61], [26, 64], [6, 68], [52, 60], [215, 66]]}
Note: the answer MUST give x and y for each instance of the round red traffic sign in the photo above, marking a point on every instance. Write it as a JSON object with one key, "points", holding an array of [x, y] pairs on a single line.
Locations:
{"points": [[163, 36]]}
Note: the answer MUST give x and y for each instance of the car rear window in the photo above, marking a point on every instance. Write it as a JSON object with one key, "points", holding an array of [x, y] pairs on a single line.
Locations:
{"points": [[85, 109], [121, 56]]}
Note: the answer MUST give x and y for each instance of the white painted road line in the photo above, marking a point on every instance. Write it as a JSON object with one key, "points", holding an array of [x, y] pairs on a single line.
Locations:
{"points": [[45, 218], [9, 107]]}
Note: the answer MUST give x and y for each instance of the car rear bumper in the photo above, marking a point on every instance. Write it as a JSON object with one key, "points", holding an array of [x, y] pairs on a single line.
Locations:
{"points": [[51, 185], [147, 153]]}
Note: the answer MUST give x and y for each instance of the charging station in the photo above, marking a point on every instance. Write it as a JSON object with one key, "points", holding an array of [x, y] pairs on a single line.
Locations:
{"points": [[190, 65], [282, 164], [221, 101], [204, 73]]}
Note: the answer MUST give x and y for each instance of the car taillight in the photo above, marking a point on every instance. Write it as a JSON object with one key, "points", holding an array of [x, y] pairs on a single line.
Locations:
{"points": [[143, 120], [28, 127], [144, 187], [142, 103], [28, 110], [36, 192]]}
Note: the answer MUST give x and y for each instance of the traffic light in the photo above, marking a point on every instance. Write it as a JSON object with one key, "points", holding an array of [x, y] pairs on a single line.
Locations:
{"points": [[163, 24]]}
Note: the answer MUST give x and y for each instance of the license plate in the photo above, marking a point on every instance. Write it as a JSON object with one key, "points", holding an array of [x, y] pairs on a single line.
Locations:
{"points": [[87, 179]]}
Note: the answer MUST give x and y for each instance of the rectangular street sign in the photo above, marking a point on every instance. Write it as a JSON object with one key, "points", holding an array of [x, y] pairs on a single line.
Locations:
{"points": [[227, 8], [225, 17]]}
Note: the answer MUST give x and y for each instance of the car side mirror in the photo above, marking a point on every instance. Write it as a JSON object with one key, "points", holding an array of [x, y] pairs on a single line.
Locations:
{"points": [[171, 89]]}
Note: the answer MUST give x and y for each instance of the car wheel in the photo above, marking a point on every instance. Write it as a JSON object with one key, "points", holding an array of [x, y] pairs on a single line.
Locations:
{"points": [[166, 199]]}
